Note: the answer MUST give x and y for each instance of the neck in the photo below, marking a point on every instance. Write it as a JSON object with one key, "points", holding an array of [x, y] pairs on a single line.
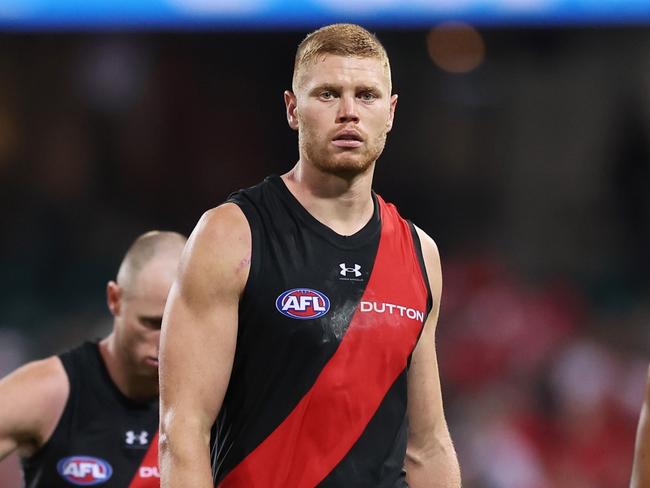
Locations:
{"points": [[343, 203], [131, 386]]}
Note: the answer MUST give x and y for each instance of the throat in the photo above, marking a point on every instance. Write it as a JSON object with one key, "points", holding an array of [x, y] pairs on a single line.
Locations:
{"points": [[343, 205], [134, 386]]}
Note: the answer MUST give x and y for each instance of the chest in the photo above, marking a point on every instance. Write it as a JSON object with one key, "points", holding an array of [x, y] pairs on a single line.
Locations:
{"points": [[305, 292], [108, 446]]}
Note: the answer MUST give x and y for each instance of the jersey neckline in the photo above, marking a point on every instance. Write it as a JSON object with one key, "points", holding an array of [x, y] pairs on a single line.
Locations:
{"points": [[116, 392], [363, 235]]}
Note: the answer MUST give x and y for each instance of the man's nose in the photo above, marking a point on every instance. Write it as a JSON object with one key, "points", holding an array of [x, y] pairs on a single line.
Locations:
{"points": [[347, 111]]}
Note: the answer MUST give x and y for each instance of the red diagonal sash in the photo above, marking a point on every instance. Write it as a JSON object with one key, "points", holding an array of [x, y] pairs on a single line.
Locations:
{"points": [[148, 474], [331, 417]]}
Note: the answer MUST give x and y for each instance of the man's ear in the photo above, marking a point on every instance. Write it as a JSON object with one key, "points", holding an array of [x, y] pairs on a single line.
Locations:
{"points": [[113, 297], [391, 117], [292, 110]]}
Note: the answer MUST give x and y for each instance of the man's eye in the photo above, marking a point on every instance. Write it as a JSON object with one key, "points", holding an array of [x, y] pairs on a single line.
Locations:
{"points": [[327, 95], [368, 96]]}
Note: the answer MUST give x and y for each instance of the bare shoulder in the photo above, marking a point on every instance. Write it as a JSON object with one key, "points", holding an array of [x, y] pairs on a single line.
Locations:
{"points": [[218, 251], [37, 393], [220, 229], [226, 221], [45, 378]]}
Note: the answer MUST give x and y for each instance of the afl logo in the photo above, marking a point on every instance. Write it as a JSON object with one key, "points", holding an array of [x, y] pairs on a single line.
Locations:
{"points": [[84, 470], [303, 304]]}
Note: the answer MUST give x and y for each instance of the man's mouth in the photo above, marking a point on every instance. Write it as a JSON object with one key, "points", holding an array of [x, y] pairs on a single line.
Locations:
{"points": [[347, 139]]}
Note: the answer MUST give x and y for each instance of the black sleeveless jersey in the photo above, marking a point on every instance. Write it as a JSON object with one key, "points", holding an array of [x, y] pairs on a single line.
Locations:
{"points": [[327, 325], [102, 439]]}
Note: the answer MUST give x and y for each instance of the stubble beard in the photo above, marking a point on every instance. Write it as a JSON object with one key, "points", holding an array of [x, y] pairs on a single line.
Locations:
{"points": [[347, 163]]}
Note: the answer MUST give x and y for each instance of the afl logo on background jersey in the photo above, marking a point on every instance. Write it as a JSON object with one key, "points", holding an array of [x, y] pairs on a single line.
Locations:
{"points": [[303, 303], [84, 470]]}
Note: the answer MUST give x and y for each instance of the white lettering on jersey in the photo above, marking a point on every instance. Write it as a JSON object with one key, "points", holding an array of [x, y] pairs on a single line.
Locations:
{"points": [[391, 309]]}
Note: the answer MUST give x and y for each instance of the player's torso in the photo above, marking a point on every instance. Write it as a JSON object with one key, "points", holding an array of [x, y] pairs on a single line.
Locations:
{"points": [[103, 439], [326, 328]]}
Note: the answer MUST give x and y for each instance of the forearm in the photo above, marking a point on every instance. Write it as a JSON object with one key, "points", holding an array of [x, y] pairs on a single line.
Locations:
{"points": [[433, 466], [184, 458]]}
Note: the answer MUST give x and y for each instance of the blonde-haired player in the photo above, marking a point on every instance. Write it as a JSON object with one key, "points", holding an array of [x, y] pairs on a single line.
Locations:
{"points": [[298, 342]]}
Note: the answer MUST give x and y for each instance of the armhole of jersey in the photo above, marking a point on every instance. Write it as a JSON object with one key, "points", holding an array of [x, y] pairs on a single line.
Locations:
{"points": [[417, 245], [425, 276], [72, 374], [67, 361], [255, 264]]}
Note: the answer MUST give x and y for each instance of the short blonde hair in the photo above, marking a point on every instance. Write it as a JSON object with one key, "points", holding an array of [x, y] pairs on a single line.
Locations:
{"points": [[348, 40]]}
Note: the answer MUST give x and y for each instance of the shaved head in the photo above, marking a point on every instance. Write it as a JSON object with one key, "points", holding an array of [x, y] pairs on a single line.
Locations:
{"points": [[154, 245]]}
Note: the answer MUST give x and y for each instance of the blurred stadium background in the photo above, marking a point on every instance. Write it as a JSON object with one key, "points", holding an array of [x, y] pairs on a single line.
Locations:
{"points": [[521, 144]]}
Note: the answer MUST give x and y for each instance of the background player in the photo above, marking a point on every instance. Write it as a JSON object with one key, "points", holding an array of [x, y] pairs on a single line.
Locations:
{"points": [[90, 415], [641, 469], [306, 394]]}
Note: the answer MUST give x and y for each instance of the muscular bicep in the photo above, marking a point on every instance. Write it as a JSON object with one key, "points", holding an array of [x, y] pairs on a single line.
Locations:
{"points": [[430, 457], [199, 329], [425, 412], [424, 398], [33, 399]]}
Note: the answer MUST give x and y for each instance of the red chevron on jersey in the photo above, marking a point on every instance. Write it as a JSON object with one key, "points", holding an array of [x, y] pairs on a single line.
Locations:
{"points": [[331, 417], [148, 474]]}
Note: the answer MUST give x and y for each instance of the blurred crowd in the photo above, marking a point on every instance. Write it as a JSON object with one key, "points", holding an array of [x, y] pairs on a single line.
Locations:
{"points": [[542, 389]]}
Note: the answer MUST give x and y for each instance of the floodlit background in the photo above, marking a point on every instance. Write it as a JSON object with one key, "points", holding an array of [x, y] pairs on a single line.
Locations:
{"points": [[521, 144]]}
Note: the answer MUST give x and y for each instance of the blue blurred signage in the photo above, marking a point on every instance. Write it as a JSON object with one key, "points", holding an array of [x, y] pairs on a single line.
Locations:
{"points": [[288, 14]]}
